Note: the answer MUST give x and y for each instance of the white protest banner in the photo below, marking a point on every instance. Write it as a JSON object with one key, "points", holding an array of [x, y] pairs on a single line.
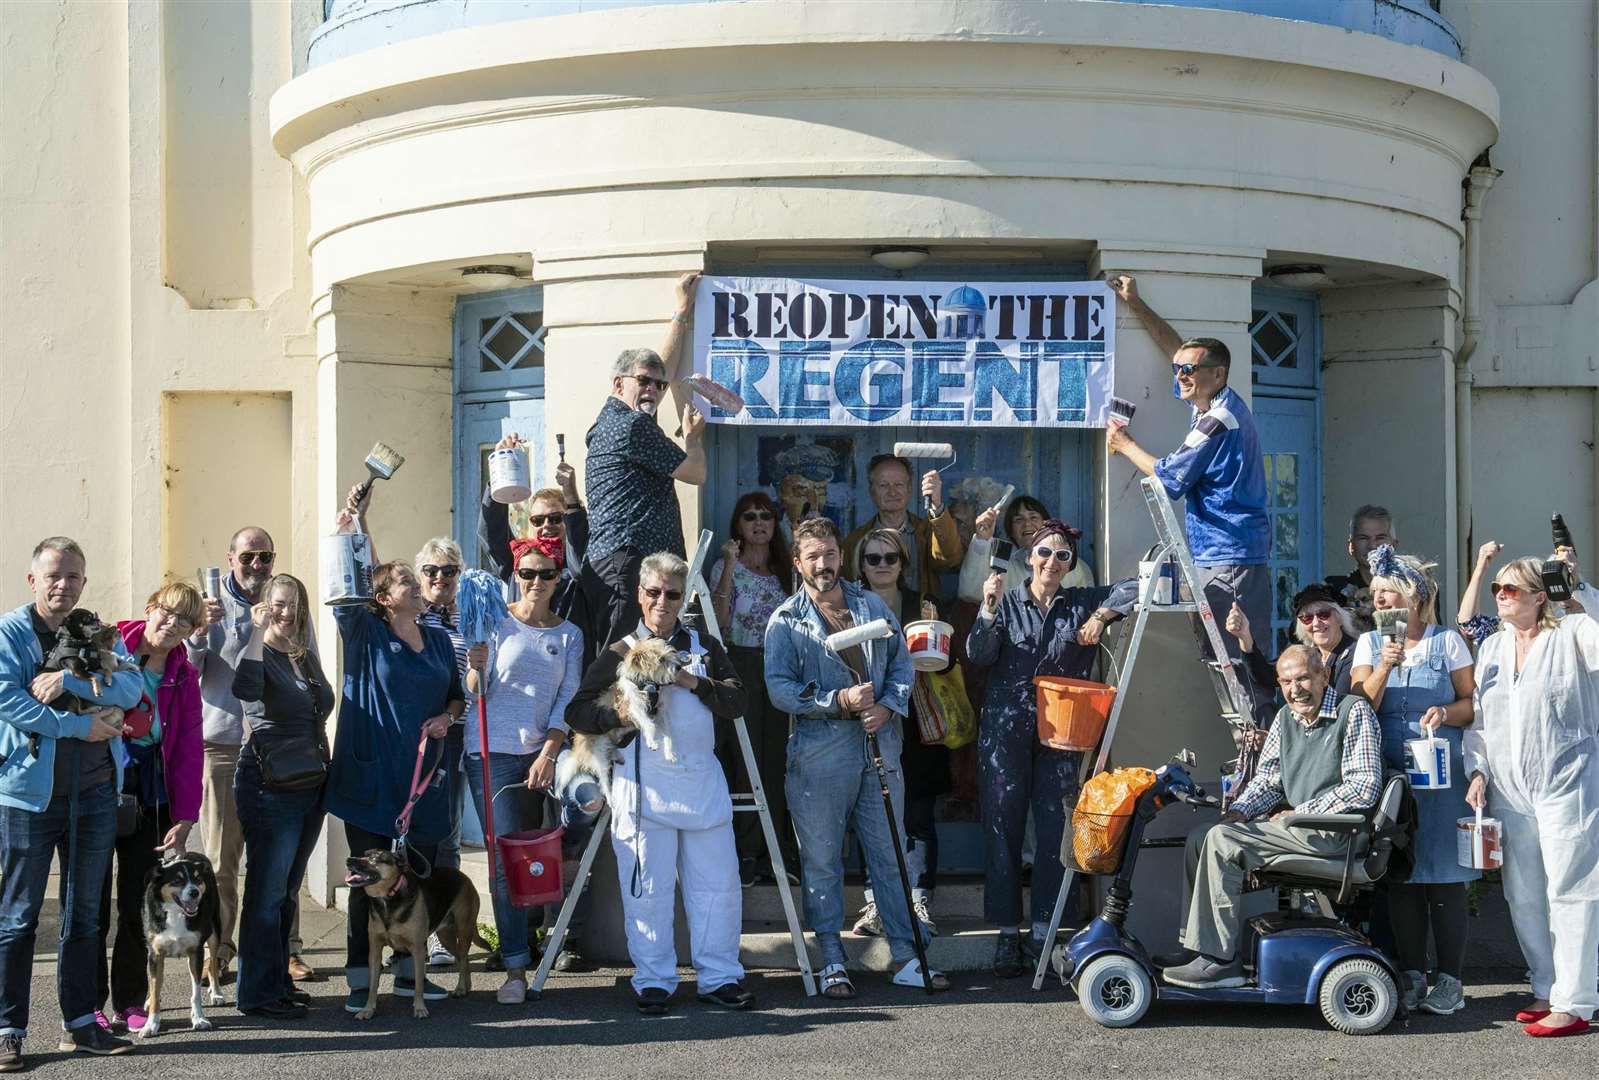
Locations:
{"points": [[907, 353]]}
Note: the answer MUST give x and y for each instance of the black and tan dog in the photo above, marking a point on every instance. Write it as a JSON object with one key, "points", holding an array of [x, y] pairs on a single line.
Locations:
{"points": [[182, 917], [404, 908]]}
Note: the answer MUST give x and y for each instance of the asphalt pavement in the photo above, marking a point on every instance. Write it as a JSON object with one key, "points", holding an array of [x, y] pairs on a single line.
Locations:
{"points": [[585, 1026]]}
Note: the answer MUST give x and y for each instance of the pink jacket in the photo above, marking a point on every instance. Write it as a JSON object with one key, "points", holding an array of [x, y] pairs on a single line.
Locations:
{"points": [[182, 744]]}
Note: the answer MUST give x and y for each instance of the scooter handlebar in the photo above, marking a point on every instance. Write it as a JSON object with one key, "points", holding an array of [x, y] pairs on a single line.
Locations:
{"points": [[1197, 798]]}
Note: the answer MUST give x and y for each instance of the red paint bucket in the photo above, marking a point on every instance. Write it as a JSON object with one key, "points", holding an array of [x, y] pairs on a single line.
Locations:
{"points": [[531, 862]]}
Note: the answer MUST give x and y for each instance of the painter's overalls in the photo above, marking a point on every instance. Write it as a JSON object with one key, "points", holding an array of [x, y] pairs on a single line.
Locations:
{"points": [[672, 823]]}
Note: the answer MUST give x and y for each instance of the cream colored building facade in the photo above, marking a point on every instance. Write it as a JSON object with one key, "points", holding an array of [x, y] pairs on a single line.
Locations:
{"points": [[234, 235]]}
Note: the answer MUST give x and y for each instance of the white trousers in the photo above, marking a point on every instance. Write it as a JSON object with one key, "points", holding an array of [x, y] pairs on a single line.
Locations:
{"points": [[1553, 896], [705, 863]]}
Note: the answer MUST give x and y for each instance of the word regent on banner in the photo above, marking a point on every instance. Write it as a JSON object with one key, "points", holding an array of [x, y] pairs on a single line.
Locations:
{"points": [[908, 353]]}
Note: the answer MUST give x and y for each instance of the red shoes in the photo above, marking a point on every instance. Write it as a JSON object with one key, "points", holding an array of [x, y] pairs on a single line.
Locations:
{"points": [[1538, 1031], [1531, 1016]]}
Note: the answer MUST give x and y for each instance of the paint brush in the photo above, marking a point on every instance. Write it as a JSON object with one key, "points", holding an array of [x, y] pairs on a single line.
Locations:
{"points": [[1121, 410], [381, 464]]}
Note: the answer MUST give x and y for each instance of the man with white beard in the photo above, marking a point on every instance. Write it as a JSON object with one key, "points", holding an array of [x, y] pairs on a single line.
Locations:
{"points": [[630, 475]]}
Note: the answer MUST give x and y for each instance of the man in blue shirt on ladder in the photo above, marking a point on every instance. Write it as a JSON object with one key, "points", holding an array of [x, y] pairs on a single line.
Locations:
{"points": [[1218, 471]]}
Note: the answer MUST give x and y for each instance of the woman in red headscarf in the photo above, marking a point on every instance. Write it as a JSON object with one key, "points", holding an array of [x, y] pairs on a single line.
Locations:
{"points": [[531, 668]]}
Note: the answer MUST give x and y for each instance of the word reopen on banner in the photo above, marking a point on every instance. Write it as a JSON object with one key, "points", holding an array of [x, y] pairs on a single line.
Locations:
{"points": [[901, 353]]}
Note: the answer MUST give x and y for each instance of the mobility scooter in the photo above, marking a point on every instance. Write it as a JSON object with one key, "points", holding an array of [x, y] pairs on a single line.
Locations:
{"points": [[1292, 956]]}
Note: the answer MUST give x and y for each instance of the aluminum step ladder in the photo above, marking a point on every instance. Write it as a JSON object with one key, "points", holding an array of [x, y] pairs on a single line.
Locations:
{"points": [[752, 802], [1235, 702]]}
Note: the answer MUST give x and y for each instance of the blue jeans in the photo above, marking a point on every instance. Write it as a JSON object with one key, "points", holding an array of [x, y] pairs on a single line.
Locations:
{"points": [[280, 830], [832, 786], [516, 809], [454, 755], [357, 938], [28, 842]]}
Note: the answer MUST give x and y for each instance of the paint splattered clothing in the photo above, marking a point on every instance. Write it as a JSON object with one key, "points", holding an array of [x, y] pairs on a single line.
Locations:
{"points": [[1016, 772]]}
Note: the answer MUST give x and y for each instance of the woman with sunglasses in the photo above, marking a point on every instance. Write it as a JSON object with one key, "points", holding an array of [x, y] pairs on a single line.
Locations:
{"points": [[163, 775], [1478, 628], [1535, 766], [1018, 521], [1038, 628], [1422, 684], [926, 768], [401, 684], [753, 576], [1319, 622], [533, 665]]}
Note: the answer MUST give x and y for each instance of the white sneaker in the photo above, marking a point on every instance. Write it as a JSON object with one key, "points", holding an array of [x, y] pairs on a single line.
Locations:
{"points": [[513, 992], [919, 908], [438, 955], [870, 924]]}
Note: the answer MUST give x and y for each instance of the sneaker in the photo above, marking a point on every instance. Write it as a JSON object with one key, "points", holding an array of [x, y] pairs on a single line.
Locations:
{"points": [[870, 924], [90, 1039], [1008, 956], [438, 955], [919, 905], [1175, 958], [572, 960], [357, 999], [652, 1001], [101, 1019], [1448, 996], [135, 1018], [729, 995], [431, 991], [10, 1053], [1031, 945], [513, 992], [1206, 973], [1413, 988]]}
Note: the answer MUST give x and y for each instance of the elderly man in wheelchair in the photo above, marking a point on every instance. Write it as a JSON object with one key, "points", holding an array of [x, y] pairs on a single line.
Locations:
{"points": [[1322, 761]]}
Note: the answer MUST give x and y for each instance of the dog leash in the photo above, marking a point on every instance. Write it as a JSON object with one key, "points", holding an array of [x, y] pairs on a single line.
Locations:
{"points": [[419, 787]]}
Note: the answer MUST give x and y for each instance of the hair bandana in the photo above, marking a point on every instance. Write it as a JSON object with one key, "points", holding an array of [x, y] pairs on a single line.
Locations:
{"points": [[551, 547], [1385, 562]]}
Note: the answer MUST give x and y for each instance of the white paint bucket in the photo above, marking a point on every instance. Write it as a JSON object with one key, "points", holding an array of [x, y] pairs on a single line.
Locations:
{"points": [[1165, 587], [930, 642], [509, 478], [1479, 843], [346, 569], [1428, 767]]}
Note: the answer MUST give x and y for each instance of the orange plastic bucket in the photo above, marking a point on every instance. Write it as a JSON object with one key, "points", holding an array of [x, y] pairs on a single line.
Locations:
{"points": [[531, 862], [1072, 712]]}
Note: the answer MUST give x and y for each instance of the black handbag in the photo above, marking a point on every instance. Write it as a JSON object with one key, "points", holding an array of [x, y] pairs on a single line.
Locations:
{"points": [[290, 764]]}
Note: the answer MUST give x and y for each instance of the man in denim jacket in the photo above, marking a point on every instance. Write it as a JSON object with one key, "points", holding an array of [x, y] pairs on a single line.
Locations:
{"points": [[832, 785], [58, 790]]}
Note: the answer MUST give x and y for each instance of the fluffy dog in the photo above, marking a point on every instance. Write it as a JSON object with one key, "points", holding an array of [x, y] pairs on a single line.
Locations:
{"points": [[649, 665], [85, 648], [404, 909], [182, 917]]}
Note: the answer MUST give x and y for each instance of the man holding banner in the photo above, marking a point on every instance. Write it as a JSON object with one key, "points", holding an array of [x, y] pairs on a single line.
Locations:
{"points": [[1218, 470]]}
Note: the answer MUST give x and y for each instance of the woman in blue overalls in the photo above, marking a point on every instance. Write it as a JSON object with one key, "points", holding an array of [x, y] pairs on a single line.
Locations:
{"points": [[1419, 685], [1037, 628]]}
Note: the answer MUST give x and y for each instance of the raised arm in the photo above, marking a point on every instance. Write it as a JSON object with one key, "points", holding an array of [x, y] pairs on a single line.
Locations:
{"points": [[1167, 340], [675, 331], [1468, 599]]}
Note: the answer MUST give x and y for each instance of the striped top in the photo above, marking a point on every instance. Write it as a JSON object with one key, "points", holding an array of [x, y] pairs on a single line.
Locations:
{"points": [[449, 620]]}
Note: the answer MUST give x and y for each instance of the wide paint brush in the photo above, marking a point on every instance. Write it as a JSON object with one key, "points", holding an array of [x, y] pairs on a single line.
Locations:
{"points": [[381, 464]]}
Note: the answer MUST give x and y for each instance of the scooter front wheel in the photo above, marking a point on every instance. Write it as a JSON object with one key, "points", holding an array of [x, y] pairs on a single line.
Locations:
{"points": [[1115, 990], [1358, 997]]}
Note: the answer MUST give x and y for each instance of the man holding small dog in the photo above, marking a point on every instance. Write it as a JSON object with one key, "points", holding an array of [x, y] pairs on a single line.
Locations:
{"points": [[64, 770], [671, 812], [835, 699]]}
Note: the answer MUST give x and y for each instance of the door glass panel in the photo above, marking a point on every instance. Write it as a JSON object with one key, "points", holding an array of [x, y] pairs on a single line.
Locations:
{"points": [[1286, 483], [1285, 536]]}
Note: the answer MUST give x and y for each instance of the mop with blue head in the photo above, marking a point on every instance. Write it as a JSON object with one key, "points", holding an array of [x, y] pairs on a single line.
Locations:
{"points": [[480, 604]]}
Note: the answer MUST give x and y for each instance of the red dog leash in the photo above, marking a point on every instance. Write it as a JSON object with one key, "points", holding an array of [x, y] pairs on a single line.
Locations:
{"points": [[419, 787]]}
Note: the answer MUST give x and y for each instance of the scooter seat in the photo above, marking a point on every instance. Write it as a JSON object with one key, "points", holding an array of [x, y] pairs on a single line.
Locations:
{"points": [[1310, 870]]}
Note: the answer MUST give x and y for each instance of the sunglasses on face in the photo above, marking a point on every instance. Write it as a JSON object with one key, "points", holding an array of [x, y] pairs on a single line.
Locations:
{"points": [[1509, 592], [179, 623], [1043, 551], [674, 595], [1319, 615], [445, 572], [252, 558], [756, 515], [886, 558], [1187, 370], [548, 573], [538, 520], [647, 382]]}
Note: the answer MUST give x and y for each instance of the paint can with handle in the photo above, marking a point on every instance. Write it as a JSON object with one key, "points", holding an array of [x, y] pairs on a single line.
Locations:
{"points": [[347, 566], [510, 479], [1479, 842]]}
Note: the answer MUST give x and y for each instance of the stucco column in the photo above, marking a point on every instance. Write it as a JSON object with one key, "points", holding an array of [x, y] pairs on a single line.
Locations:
{"points": [[597, 303], [1201, 292], [383, 375]]}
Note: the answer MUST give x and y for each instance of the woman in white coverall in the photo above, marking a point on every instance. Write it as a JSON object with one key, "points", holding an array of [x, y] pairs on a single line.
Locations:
{"points": [[672, 820], [1533, 755]]}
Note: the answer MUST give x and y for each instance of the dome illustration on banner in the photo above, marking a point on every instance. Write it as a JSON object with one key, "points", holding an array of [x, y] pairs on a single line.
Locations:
{"points": [[965, 312]]}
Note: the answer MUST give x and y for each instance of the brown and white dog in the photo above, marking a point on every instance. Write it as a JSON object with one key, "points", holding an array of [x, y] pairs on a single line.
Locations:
{"points": [[404, 908], [649, 666], [182, 917]]}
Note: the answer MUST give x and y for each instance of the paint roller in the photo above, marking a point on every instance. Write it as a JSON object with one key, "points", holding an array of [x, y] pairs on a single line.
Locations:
{"points": [[926, 451], [876, 630]]}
